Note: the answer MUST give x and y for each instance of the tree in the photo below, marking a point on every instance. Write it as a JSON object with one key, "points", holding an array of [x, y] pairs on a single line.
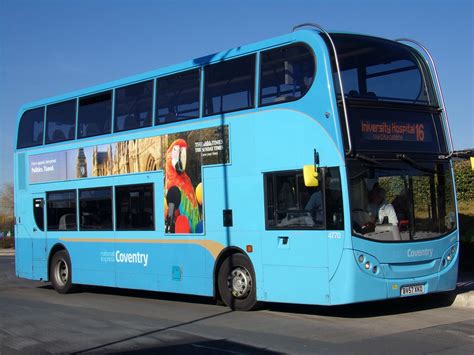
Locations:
{"points": [[6, 207]]}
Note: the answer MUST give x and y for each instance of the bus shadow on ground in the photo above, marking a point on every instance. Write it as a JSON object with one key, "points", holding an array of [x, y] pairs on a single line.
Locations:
{"points": [[371, 309], [220, 346], [357, 310], [393, 306], [151, 295]]}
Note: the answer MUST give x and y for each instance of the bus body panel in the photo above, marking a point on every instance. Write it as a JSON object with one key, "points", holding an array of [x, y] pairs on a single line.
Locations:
{"points": [[407, 252], [23, 240], [360, 285], [295, 284], [90, 265]]}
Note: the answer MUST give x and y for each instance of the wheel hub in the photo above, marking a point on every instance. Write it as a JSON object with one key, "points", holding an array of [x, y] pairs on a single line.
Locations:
{"points": [[240, 282], [62, 272]]}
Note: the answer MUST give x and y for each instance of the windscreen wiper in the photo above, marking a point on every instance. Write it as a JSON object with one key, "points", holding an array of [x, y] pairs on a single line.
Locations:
{"points": [[414, 163], [366, 159]]}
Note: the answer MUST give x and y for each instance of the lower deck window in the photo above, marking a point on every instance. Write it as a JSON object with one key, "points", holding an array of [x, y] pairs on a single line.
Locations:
{"points": [[61, 210], [290, 204], [38, 212], [95, 209], [134, 207]]}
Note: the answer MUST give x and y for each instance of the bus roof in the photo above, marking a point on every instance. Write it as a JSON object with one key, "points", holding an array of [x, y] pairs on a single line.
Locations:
{"points": [[300, 35]]}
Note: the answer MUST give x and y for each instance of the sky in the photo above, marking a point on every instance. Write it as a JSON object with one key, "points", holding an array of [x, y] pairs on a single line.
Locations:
{"points": [[48, 48]]}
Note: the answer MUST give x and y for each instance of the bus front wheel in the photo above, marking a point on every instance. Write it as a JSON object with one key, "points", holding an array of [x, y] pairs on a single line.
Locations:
{"points": [[61, 272], [236, 283]]}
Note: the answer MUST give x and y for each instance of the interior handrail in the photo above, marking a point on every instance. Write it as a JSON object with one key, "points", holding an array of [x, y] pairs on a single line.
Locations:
{"points": [[322, 30], [440, 91]]}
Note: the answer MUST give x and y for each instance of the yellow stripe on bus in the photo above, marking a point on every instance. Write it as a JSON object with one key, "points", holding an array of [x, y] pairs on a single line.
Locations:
{"points": [[214, 248]]}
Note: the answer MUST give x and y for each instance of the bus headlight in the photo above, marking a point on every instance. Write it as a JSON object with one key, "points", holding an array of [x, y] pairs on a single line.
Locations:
{"points": [[368, 263], [449, 256]]}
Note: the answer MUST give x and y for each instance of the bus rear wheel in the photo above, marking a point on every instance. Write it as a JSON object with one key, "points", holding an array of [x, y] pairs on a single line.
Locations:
{"points": [[236, 283], [60, 272]]}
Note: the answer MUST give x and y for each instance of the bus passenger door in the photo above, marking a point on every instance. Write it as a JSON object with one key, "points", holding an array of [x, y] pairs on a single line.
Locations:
{"points": [[295, 242], [38, 236]]}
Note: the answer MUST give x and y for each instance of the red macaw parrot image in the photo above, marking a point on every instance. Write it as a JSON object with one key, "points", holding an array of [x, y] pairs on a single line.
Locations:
{"points": [[183, 209]]}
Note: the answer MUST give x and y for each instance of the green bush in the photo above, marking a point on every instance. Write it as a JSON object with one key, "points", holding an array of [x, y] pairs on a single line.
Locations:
{"points": [[464, 181]]}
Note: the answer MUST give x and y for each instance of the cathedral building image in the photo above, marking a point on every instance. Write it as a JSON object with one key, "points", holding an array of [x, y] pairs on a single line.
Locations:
{"points": [[101, 161], [132, 156], [204, 146]]}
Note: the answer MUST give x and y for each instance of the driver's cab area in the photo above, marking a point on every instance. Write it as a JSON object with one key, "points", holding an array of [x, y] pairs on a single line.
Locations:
{"points": [[373, 215], [394, 201]]}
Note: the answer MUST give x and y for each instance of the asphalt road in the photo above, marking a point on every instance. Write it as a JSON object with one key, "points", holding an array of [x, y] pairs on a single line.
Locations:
{"points": [[34, 318]]}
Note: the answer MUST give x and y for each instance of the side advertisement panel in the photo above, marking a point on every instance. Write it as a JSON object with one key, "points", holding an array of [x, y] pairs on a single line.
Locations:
{"points": [[180, 155]]}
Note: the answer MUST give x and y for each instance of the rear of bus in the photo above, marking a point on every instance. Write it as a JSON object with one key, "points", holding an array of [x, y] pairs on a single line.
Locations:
{"points": [[402, 201]]}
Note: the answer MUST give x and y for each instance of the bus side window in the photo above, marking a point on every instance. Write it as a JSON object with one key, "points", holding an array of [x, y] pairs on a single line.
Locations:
{"points": [[290, 204], [30, 131], [61, 210], [38, 212], [286, 74], [134, 207], [229, 85], [95, 115], [177, 97], [95, 209], [133, 106], [61, 121]]}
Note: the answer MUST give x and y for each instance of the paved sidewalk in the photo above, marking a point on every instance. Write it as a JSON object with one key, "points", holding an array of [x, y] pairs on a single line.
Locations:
{"points": [[464, 291], [7, 252]]}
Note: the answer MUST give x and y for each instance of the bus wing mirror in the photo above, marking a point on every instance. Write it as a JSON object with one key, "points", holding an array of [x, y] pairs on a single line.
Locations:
{"points": [[311, 175]]}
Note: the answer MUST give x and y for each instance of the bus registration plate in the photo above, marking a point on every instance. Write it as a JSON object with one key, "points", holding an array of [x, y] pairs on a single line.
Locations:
{"points": [[412, 290]]}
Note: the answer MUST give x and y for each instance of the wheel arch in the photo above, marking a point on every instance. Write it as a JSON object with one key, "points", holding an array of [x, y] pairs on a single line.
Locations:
{"points": [[225, 253], [56, 247]]}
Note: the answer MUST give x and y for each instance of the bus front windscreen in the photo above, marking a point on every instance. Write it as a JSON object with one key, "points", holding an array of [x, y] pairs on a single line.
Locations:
{"points": [[396, 201], [379, 70]]}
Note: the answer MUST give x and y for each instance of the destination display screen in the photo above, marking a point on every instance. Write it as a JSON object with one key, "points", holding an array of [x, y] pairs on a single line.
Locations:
{"points": [[395, 130], [383, 130]]}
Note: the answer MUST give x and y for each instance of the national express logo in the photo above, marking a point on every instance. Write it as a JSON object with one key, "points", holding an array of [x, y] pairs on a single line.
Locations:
{"points": [[124, 258]]}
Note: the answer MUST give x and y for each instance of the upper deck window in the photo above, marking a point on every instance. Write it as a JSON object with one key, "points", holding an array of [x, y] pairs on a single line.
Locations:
{"points": [[61, 122], [381, 70], [286, 74], [230, 85], [177, 97], [30, 131], [95, 114], [133, 106]]}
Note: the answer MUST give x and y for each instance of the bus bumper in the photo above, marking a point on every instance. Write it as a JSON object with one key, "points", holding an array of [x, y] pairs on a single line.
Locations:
{"points": [[353, 283]]}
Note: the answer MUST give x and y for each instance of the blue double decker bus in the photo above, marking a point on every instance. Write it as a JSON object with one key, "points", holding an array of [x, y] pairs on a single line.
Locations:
{"points": [[310, 168]]}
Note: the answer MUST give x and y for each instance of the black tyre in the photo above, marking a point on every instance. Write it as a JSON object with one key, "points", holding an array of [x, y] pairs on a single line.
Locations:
{"points": [[60, 272], [236, 283]]}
